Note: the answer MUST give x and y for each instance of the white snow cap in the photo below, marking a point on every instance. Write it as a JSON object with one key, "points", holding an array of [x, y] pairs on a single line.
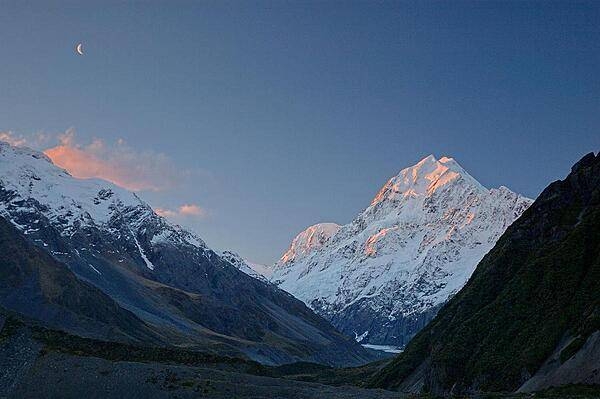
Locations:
{"points": [[427, 176], [35, 185], [309, 240], [413, 247]]}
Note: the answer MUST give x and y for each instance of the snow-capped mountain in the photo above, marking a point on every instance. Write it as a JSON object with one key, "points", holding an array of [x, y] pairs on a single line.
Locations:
{"points": [[31, 186], [383, 276], [311, 239], [165, 275]]}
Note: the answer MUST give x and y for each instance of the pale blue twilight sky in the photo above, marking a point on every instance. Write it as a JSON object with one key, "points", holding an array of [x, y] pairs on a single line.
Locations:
{"points": [[274, 115]]}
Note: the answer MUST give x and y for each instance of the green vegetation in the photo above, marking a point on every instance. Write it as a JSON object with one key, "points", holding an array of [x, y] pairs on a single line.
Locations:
{"points": [[571, 391], [58, 341], [10, 327]]}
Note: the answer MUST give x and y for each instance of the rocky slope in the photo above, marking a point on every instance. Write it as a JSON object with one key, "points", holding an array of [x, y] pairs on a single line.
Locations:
{"points": [[35, 285], [383, 276], [253, 270], [163, 274], [529, 318]]}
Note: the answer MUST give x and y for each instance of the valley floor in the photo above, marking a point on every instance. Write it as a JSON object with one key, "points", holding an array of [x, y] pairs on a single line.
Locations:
{"points": [[66, 376], [40, 363]]}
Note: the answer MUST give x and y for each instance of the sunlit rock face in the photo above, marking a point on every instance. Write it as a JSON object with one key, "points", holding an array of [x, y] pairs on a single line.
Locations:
{"points": [[383, 276], [308, 241]]}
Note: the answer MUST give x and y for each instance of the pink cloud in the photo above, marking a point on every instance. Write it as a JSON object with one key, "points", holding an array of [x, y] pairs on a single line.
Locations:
{"points": [[166, 213], [186, 210], [191, 210], [118, 163]]}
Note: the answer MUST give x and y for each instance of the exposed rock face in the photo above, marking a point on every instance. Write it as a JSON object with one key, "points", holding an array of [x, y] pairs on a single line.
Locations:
{"points": [[530, 315], [160, 272], [583, 367], [383, 276]]}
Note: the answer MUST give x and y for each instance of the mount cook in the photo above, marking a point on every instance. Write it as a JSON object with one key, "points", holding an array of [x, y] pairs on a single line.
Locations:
{"points": [[382, 277]]}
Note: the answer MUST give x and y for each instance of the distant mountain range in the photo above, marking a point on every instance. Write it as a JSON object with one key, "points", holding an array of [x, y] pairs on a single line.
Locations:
{"points": [[382, 277], [529, 318], [87, 257]]}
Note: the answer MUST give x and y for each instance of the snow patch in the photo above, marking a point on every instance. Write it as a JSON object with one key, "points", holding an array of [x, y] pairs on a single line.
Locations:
{"points": [[142, 254], [94, 269], [360, 337], [384, 348]]}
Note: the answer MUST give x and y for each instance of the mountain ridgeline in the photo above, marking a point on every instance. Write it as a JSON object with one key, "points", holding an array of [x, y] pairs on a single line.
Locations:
{"points": [[100, 247], [529, 317]]}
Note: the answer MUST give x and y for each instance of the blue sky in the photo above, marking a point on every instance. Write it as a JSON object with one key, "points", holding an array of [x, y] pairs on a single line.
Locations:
{"points": [[271, 116]]}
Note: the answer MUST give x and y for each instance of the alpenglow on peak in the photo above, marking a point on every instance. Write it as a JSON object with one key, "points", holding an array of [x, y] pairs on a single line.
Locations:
{"points": [[383, 276], [424, 178]]}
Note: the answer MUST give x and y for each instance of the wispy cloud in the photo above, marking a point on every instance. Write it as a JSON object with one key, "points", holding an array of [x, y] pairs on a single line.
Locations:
{"points": [[191, 210], [35, 140], [117, 162], [12, 138], [184, 211], [166, 213]]}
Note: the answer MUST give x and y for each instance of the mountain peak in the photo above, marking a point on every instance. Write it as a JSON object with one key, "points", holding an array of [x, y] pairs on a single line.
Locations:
{"points": [[432, 160], [425, 178], [308, 241], [7, 149], [429, 159], [27, 175], [385, 274], [585, 161], [255, 270], [163, 274]]}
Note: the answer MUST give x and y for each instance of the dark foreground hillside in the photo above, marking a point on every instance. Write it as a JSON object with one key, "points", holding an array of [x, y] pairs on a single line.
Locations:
{"points": [[39, 363], [529, 317]]}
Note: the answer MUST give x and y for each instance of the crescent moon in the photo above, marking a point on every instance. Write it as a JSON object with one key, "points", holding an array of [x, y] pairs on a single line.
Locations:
{"points": [[79, 49]]}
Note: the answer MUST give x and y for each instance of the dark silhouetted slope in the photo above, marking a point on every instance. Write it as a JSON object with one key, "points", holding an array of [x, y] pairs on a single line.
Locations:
{"points": [[34, 284]]}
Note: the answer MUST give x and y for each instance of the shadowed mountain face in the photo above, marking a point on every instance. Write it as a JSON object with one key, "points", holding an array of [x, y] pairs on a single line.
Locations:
{"points": [[164, 275], [37, 286], [529, 316]]}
